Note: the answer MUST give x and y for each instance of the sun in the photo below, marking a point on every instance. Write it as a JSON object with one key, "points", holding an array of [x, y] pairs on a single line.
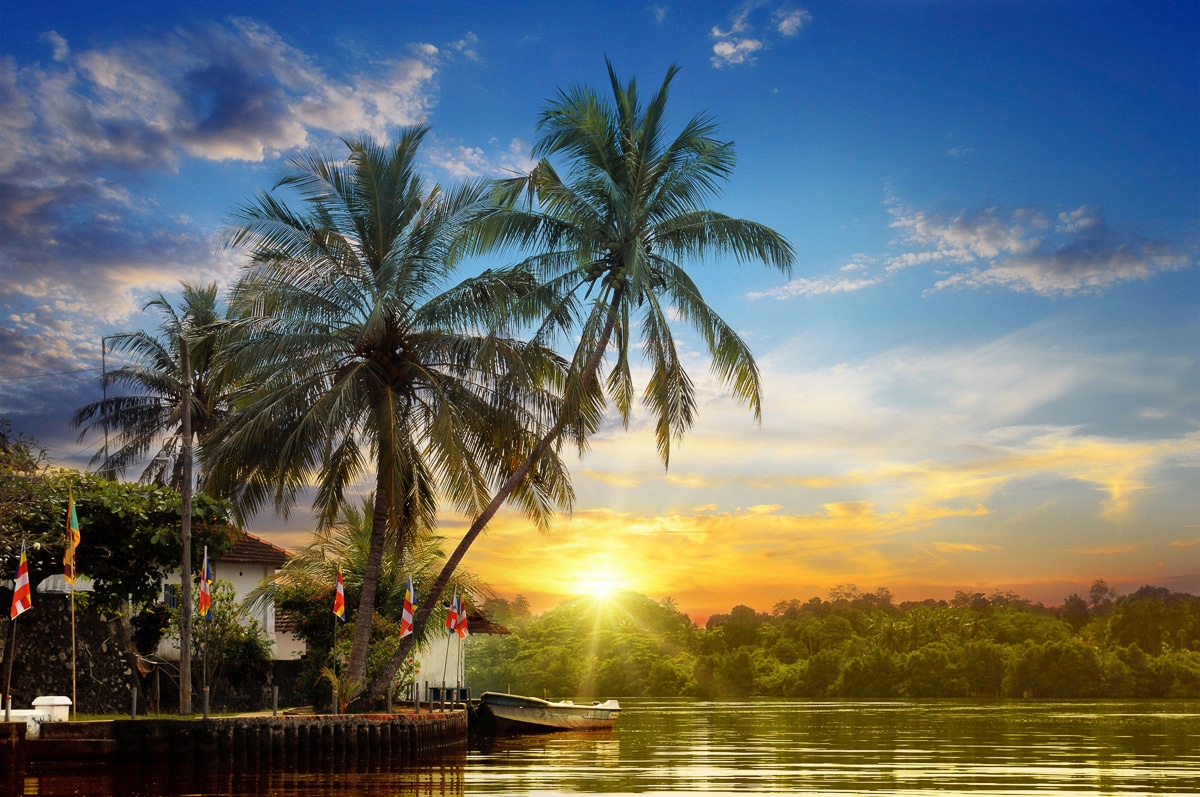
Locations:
{"points": [[597, 586]]}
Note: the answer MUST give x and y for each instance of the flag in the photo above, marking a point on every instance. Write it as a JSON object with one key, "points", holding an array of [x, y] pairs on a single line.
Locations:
{"points": [[452, 614], [21, 599], [72, 540], [461, 627], [406, 617], [206, 578], [339, 596]]}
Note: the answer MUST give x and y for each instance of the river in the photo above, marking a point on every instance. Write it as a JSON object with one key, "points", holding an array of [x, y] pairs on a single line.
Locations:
{"points": [[767, 747]]}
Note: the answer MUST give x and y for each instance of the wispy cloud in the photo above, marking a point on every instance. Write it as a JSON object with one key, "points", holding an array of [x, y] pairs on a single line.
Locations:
{"points": [[854, 276], [462, 162], [1022, 250], [742, 40]]}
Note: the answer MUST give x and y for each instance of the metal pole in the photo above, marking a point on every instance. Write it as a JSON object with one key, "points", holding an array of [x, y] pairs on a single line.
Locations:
{"points": [[133, 699], [74, 699], [104, 396], [185, 533], [274, 701], [205, 702], [9, 655]]}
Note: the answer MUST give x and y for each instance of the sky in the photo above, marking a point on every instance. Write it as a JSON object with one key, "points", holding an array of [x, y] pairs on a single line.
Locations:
{"points": [[982, 374]]}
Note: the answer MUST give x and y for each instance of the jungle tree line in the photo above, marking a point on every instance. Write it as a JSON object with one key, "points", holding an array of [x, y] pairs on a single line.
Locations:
{"points": [[347, 350], [852, 645]]}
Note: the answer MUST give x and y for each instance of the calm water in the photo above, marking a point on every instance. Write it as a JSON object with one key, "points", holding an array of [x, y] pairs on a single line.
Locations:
{"points": [[771, 747]]}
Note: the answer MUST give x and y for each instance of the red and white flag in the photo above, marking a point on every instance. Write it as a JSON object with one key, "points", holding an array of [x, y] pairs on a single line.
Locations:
{"points": [[22, 602], [461, 627], [452, 615], [339, 596], [406, 616]]}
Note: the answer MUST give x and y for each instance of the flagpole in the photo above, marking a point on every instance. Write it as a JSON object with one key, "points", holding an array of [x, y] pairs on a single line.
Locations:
{"points": [[9, 654], [74, 700]]}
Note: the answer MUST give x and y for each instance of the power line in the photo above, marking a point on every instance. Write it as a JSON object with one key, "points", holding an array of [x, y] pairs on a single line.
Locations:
{"points": [[54, 373]]}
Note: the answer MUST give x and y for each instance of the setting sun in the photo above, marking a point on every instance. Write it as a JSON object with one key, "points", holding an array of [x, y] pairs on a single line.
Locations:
{"points": [[596, 587]]}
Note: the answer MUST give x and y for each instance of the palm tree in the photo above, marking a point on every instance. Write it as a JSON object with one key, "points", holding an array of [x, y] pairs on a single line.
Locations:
{"points": [[347, 544], [149, 419], [611, 236], [363, 359], [180, 392]]}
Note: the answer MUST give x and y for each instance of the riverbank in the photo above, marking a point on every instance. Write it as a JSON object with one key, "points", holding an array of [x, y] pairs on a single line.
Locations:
{"points": [[301, 742]]}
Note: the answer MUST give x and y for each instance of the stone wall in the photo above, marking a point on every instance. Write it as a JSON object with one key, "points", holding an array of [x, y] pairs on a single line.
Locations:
{"points": [[42, 664]]}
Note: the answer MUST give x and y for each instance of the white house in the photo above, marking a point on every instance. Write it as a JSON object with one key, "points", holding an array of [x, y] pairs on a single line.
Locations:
{"points": [[250, 561]]}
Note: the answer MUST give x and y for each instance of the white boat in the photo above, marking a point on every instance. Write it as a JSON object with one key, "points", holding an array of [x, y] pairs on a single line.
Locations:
{"points": [[517, 713]]}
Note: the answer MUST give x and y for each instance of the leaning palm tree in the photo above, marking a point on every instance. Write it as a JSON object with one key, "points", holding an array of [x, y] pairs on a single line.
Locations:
{"points": [[148, 419], [611, 237], [366, 363], [346, 544]]}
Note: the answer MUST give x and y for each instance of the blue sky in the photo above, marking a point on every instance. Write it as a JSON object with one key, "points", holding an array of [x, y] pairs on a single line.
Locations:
{"points": [[982, 375]]}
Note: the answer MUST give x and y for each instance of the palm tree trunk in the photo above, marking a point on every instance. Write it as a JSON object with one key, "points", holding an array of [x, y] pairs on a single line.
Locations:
{"points": [[380, 682], [357, 669]]}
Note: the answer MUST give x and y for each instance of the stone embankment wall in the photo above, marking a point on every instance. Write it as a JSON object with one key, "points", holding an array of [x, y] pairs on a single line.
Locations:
{"points": [[229, 744], [287, 742], [42, 664]]}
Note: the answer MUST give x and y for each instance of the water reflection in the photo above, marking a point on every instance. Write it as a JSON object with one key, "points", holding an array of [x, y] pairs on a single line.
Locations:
{"points": [[770, 747]]}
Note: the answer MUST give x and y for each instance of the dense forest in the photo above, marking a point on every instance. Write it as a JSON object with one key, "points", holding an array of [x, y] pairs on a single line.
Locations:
{"points": [[855, 644]]}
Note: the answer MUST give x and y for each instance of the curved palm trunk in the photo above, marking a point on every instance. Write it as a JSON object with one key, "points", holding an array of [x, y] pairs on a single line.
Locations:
{"points": [[379, 684], [356, 675]]}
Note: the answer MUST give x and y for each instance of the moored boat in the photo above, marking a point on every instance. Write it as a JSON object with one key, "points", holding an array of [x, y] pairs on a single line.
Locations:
{"points": [[520, 714]]}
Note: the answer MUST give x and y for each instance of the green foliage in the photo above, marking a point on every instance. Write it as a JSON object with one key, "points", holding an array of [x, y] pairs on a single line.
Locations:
{"points": [[854, 645], [130, 532], [229, 633]]}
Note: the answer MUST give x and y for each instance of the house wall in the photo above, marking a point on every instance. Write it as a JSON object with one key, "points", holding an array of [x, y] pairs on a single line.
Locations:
{"points": [[440, 661], [244, 578], [288, 646]]}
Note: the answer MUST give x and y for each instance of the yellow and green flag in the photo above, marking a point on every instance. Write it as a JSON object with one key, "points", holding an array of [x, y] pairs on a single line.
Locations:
{"points": [[73, 538]]}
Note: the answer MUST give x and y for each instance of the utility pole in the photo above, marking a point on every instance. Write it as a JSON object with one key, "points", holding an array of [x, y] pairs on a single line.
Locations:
{"points": [[185, 534], [107, 472]]}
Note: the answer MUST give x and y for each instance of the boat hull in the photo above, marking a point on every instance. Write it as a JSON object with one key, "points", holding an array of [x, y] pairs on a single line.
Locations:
{"points": [[519, 714]]}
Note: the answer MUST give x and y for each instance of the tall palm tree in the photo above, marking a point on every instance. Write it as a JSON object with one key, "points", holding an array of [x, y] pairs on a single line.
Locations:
{"points": [[611, 237], [365, 359], [180, 393], [148, 419]]}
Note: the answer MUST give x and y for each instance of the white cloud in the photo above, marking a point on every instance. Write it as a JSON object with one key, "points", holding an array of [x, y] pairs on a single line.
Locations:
{"points": [[739, 43], [462, 162], [790, 21], [659, 12], [58, 43], [1019, 250], [731, 52], [468, 47]]}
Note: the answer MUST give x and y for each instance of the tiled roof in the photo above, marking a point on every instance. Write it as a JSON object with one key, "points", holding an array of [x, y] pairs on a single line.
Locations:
{"points": [[478, 623], [255, 550], [285, 622]]}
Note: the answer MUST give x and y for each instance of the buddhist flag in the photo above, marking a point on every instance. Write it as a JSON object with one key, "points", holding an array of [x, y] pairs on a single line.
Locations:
{"points": [[206, 578], [21, 599], [72, 540], [452, 615], [339, 596], [461, 627], [406, 617]]}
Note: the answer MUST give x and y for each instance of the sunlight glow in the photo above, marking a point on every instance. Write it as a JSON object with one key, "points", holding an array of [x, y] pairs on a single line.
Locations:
{"points": [[600, 586]]}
